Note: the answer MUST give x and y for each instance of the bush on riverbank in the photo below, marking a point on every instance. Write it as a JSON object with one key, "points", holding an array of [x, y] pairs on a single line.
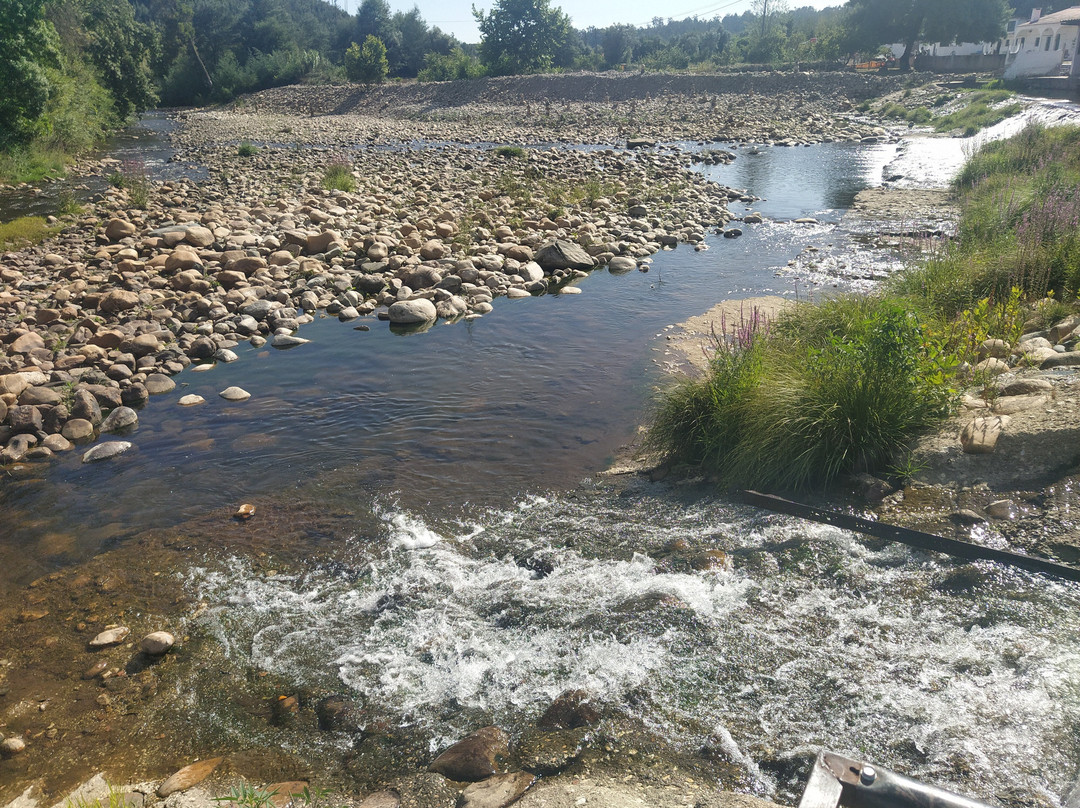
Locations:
{"points": [[847, 384], [826, 389], [1019, 226]]}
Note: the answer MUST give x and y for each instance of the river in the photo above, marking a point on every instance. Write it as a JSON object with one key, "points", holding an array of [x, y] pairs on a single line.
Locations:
{"points": [[484, 570]]}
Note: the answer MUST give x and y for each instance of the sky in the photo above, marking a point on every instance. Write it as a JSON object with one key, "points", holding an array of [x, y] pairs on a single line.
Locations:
{"points": [[455, 16]]}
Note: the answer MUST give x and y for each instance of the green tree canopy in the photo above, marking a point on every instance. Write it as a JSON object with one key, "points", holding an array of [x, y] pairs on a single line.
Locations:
{"points": [[367, 64], [28, 44], [878, 22], [121, 49], [525, 36]]}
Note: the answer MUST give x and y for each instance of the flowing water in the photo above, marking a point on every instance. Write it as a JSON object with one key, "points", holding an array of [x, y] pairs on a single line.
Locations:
{"points": [[484, 572]]}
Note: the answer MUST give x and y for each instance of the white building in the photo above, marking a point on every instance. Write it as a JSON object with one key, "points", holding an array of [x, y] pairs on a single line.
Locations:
{"points": [[1041, 45]]}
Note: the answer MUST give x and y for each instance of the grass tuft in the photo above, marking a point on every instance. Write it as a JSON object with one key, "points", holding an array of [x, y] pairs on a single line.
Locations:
{"points": [[338, 176], [25, 231]]}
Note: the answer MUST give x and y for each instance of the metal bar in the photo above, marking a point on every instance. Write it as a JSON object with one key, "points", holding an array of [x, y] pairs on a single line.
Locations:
{"points": [[823, 789], [912, 538], [867, 786]]}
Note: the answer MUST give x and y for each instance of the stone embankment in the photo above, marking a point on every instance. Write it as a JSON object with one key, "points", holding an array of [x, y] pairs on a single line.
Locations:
{"points": [[99, 319]]}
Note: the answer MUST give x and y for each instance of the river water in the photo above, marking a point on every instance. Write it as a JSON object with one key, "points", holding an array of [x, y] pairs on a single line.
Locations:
{"points": [[485, 570]]}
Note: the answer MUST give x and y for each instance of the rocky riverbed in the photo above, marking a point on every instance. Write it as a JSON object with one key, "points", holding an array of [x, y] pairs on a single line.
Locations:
{"points": [[96, 320], [439, 226]]}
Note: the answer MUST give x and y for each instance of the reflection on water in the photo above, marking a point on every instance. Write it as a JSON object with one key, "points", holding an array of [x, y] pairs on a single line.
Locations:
{"points": [[819, 181]]}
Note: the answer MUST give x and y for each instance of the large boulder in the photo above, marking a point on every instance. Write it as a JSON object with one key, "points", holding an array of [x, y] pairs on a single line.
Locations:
{"points": [[118, 300], [118, 229], [561, 254], [199, 236], [410, 312], [323, 242], [420, 276]]}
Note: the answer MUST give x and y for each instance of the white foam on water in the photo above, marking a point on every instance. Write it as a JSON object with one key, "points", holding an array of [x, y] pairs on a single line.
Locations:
{"points": [[933, 162], [812, 639]]}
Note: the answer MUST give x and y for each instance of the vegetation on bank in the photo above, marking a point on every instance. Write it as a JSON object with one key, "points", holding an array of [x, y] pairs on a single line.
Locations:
{"points": [[845, 385], [973, 111], [24, 231]]}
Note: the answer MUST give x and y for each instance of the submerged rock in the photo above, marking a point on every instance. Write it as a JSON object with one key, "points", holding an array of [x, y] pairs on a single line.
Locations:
{"points": [[112, 636], [105, 451], [572, 709], [157, 643], [474, 757]]}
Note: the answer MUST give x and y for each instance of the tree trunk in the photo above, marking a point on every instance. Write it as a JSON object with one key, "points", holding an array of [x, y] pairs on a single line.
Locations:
{"points": [[908, 59], [205, 72]]}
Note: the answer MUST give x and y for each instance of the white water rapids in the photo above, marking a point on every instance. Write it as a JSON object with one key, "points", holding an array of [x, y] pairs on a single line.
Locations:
{"points": [[966, 675]]}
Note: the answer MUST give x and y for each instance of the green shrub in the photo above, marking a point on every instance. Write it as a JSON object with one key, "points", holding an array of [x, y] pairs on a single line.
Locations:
{"points": [[510, 152], [454, 65], [31, 163], [247, 149], [338, 177], [132, 177], [699, 420], [829, 389]]}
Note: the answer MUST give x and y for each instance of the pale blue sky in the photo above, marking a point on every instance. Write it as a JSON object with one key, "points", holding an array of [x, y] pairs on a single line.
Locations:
{"points": [[455, 16]]}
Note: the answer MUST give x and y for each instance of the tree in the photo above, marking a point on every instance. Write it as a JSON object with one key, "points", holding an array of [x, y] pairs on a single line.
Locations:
{"points": [[766, 10], [367, 64], [879, 22], [120, 48], [28, 43], [525, 36], [617, 44]]}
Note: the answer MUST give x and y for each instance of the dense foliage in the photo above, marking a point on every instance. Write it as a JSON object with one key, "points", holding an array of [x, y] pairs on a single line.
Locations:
{"points": [[367, 64], [874, 22], [525, 36]]}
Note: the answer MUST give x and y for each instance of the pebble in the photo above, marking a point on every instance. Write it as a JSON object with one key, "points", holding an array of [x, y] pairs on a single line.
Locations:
{"points": [[380, 799], [235, 394], [156, 643], [9, 747], [112, 636], [188, 776], [1002, 509], [96, 669], [191, 400]]}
